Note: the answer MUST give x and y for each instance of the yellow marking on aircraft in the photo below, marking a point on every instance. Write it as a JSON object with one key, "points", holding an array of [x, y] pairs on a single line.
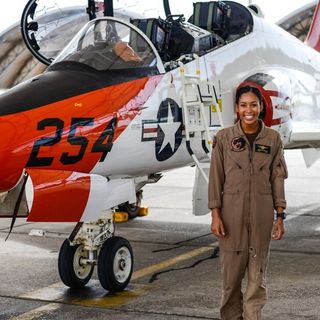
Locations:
{"points": [[214, 107]]}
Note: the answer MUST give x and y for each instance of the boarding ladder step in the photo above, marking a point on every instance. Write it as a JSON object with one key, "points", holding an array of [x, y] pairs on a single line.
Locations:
{"points": [[196, 108]]}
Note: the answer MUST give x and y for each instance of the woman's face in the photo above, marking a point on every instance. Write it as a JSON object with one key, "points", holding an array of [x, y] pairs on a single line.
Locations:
{"points": [[248, 108]]}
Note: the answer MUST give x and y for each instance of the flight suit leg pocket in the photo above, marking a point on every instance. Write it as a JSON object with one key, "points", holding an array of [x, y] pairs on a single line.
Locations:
{"points": [[232, 218], [256, 293]]}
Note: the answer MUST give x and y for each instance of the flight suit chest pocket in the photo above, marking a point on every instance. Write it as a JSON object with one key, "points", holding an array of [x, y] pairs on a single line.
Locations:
{"points": [[234, 177], [262, 179]]}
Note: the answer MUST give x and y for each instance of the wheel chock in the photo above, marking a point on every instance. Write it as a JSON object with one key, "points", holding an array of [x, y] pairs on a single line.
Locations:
{"points": [[143, 211], [120, 216]]}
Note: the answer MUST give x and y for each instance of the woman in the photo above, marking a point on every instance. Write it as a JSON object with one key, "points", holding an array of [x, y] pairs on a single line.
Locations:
{"points": [[246, 185]]}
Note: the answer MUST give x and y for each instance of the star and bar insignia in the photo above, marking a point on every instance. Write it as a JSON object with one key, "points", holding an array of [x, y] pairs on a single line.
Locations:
{"points": [[166, 130]]}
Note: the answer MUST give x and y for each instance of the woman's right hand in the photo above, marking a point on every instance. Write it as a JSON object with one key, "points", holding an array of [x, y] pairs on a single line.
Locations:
{"points": [[217, 227]]}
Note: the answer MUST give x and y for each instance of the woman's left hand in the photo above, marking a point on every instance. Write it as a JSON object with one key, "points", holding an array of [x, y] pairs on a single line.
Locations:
{"points": [[278, 229]]}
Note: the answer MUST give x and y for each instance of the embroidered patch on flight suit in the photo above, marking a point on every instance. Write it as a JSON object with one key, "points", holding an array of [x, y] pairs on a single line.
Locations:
{"points": [[262, 148], [238, 144]]}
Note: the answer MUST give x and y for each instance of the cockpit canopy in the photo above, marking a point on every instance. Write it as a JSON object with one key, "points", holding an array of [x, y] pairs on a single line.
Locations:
{"points": [[155, 44], [146, 45], [109, 44]]}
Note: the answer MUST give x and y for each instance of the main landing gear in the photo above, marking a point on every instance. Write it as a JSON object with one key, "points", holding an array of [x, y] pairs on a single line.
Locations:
{"points": [[93, 244], [132, 208]]}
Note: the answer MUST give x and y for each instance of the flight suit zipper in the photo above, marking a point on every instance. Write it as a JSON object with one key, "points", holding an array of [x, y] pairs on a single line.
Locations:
{"points": [[250, 181], [250, 178], [250, 187]]}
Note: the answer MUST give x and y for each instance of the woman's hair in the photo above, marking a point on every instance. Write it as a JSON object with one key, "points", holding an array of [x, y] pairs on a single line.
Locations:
{"points": [[246, 89]]}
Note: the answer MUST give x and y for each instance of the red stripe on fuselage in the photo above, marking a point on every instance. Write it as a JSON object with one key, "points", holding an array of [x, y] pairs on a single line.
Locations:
{"points": [[58, 196], [150, 130]]}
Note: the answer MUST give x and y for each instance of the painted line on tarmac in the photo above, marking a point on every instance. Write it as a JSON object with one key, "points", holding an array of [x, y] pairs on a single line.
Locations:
{"points": [[38, 312], [168, 263], [50, 293], [98, 297]]}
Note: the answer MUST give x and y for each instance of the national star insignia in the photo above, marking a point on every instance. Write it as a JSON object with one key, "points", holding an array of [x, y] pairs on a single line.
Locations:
{"points": [[169, 129]]}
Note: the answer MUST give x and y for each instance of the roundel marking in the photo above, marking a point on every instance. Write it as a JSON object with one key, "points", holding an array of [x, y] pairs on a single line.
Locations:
{"points": [[169, 133]]}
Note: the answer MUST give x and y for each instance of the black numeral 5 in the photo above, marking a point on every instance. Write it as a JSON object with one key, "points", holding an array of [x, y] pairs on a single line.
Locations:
{"points": [[76, 141]]}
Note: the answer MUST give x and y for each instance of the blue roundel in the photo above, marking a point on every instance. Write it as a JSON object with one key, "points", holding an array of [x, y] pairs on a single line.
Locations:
{"points": [[169, 133]]}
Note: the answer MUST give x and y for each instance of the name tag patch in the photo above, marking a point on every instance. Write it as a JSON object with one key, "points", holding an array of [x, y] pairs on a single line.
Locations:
{"points": [[262, 148]]}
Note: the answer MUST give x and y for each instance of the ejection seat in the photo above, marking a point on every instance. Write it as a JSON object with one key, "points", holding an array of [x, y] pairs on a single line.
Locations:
{"points": [[156, 31], [228, 20]]}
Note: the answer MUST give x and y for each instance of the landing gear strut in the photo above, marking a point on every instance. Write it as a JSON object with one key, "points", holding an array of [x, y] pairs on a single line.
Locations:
{"points": [[95, 244]]}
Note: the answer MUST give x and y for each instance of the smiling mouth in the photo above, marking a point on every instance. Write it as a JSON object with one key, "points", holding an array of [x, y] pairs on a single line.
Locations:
{"points": [[249, 117]]}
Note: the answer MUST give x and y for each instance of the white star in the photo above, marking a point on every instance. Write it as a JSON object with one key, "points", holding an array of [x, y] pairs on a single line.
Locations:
{"points": [[169, 129]]}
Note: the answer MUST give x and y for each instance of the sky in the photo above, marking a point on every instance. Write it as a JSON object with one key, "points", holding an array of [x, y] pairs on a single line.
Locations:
{"points": [[273, 9]]}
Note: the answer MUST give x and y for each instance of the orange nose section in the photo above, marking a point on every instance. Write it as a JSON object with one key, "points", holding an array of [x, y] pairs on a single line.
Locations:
{"points": [[9, 180], [10, 171]]}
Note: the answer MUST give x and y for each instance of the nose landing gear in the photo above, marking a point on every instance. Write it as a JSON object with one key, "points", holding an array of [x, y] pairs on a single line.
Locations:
{"points": [[95, 244], [74, 271]]}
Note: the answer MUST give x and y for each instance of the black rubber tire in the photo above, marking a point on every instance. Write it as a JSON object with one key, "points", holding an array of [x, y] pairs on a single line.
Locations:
{"points": [[66, 267], [106, 272]]}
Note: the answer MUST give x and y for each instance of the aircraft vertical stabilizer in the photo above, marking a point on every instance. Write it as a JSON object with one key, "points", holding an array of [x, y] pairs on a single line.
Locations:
{"points": [[313, 37]]}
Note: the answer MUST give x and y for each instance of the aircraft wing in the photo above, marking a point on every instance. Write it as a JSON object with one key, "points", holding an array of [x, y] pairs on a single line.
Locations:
{"points": [[303, 131], [307, 134]]}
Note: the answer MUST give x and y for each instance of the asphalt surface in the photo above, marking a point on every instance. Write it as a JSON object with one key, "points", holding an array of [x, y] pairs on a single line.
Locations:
{"points": [[176, 269]]}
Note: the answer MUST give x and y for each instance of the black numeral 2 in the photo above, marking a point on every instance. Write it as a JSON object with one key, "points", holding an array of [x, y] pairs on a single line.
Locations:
{"points": [[34, 160]]}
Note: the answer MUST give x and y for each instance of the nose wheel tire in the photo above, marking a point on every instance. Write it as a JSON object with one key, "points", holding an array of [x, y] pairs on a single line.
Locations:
{"points": [[73, 270], [115, 264]]}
